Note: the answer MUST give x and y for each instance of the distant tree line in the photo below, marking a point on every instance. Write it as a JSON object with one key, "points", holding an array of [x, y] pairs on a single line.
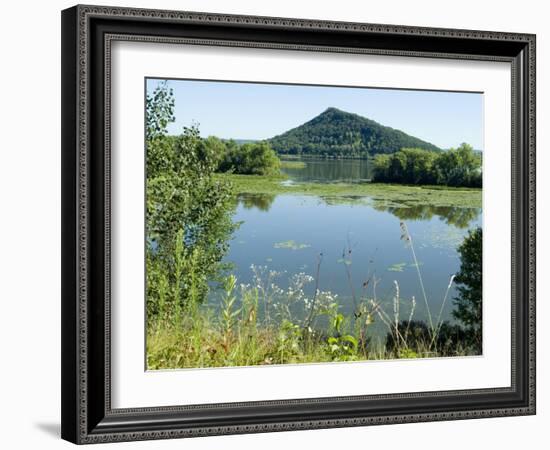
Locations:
{"points": [[454, 167]]}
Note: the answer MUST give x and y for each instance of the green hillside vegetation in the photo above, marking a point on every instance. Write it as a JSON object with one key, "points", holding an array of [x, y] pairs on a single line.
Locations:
{"points": [[454, 167], [341, 134]]}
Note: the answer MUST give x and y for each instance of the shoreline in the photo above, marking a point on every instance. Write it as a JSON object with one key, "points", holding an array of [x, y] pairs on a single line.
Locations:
{"points": [[404, 195]]}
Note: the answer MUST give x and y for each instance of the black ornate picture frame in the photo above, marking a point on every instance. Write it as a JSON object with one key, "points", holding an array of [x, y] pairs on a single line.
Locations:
{"points": [[87, 35]]}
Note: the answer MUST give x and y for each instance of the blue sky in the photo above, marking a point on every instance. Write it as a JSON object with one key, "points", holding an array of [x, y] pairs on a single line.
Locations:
{"points": [[260, 111]]}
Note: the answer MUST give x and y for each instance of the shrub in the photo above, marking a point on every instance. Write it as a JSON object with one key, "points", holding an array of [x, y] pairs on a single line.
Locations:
{"points": [[469, 281]]}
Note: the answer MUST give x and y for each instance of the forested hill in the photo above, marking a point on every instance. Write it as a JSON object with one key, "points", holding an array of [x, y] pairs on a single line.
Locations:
{"points": [[339, 133]]}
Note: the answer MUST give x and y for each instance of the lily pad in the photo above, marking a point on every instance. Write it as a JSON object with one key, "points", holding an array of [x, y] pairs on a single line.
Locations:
{"points": [[398, 267], [291, 244], [347, 262]]}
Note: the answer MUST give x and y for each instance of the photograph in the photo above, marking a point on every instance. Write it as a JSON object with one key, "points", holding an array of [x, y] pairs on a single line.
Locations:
{"points": [[280, 220], [299, 224]]}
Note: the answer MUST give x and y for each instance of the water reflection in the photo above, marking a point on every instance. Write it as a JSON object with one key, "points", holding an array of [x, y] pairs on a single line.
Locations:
{"points": [[331, 170], [262, 202], [458, 216], [287, 233]]}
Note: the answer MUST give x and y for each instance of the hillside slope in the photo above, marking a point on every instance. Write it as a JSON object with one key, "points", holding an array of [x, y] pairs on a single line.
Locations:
{"points": [[339, 133]]}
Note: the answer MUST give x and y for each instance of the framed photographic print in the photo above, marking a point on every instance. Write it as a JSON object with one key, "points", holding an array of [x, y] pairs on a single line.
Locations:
{"points": [[279, 224]]}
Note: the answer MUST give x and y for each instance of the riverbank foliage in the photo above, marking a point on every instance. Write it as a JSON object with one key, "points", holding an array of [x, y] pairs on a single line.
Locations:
{"points": [[469, 279], [454, 167], [201, 339], [189, 212]]}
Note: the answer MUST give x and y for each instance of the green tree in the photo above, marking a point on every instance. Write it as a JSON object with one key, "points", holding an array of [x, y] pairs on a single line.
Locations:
{"points": [[381, 167], [469, 282], [251, 159], [458, 167], [188, 212], [159, 108], [398, 163], [216, 147], [418, 166]]}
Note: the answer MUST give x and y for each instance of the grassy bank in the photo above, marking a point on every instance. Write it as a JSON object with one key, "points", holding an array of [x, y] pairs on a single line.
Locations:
{"points": [[234, 335], [202, 342], [402, 195]]}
